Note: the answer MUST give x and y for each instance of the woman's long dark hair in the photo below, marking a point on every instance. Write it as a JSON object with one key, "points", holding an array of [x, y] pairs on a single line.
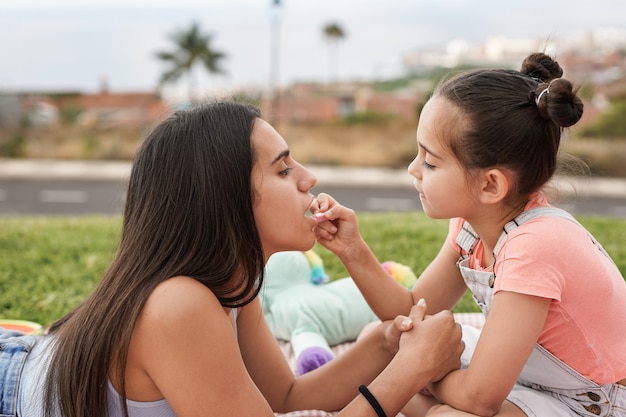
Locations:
{"points": [[188, 212]]}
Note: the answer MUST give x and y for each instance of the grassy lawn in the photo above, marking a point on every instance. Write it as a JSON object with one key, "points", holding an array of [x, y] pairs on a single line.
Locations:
{"points": [[49, 264]]}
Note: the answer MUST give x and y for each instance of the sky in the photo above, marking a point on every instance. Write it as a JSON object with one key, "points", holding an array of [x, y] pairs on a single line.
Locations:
{"points": [[76, 44]]}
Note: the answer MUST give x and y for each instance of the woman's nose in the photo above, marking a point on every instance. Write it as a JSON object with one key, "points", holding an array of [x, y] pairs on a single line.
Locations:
{"points": [[308, 180]]}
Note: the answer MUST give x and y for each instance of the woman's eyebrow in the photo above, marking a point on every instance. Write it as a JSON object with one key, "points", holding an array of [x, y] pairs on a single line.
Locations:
{"points": [[280, 156], [429, 151]]}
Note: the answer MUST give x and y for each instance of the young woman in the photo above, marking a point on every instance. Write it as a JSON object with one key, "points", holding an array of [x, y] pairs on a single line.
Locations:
{"points": [[554, 340], [175, 326]]}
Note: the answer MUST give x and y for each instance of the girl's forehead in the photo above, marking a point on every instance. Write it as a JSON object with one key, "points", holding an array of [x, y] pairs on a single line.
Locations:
{"points": [[440, 123]]}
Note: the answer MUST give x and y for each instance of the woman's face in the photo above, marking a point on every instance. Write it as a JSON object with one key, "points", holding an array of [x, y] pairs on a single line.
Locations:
{"points": [[282, 193]]}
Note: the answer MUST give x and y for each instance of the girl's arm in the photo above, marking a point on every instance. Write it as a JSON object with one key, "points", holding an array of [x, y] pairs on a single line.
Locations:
{"points": [[506, 341], [440, 285]]}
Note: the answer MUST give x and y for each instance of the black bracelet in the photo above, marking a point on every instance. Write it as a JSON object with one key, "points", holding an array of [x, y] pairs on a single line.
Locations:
{"points": [[372, 400]]}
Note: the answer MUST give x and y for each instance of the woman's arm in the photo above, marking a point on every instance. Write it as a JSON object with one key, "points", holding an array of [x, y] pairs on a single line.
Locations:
{"points": [[184, 349], [329, 387], [507, 339], [431, 350], [426, 353]]}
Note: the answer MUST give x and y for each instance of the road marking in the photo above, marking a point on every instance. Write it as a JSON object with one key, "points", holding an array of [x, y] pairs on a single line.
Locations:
{"points": [[390, 204], [63, 196]]}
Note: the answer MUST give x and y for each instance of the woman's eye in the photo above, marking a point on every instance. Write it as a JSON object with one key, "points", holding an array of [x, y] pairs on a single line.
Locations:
{"points": [[285, 171]]}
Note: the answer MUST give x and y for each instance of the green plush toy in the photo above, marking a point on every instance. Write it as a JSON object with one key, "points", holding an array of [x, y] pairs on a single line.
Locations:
{"points": [[301, 305]]}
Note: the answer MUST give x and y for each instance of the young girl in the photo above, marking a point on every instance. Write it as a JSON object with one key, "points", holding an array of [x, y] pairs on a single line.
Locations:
{"points": [[554, 340], [175, 326]]}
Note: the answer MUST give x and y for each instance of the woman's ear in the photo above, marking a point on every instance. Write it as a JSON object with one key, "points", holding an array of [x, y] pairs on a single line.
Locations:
{"points": [[494, 186]]}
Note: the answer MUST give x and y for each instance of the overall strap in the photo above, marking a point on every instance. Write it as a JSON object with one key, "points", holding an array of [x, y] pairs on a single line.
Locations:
{"points": [[467, 237], [527, 215], [538, 212]]}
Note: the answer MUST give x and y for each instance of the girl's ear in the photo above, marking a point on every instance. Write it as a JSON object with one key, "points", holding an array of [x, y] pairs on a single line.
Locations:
{"points": [[494, 186]]}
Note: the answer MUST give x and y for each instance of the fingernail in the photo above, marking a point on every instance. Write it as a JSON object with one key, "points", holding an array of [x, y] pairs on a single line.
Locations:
{"points": [[406, 322], [421, 302], [318, 217]]}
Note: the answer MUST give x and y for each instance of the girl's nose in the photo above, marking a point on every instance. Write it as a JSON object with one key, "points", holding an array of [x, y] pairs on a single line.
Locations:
{"points": [[414, 169]]}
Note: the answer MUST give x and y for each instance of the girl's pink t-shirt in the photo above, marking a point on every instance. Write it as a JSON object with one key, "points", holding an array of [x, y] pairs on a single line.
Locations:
{"points": [[554, 258]]}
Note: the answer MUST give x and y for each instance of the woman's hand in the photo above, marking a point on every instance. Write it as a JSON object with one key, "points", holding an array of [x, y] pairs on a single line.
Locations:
{"points": [[434, 343], [391, 331]]}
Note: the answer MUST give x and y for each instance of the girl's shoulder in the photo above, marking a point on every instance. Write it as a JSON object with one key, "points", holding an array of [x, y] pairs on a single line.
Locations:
{"points": [[546, 236]]}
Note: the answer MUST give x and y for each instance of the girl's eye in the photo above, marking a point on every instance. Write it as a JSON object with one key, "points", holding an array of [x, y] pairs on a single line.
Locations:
{"points": [[427, 165], [285, 171]]}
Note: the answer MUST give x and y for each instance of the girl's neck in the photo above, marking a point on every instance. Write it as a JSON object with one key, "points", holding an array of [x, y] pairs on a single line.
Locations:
{"points": [[489, 226]]}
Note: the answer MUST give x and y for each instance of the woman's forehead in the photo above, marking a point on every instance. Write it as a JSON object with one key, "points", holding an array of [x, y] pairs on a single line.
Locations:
{"points": [[267, 143]]}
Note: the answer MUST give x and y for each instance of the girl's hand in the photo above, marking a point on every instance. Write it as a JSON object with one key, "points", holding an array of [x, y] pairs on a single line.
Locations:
{"points": [[337, 226]]}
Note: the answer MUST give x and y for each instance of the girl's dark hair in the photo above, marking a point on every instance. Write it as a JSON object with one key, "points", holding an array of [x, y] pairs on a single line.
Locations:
{"points": [[514, 119], [188, 212]]}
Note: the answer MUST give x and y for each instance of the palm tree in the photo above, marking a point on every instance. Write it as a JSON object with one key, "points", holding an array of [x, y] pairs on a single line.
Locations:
{"points": [[191, 47], [333, 33]]}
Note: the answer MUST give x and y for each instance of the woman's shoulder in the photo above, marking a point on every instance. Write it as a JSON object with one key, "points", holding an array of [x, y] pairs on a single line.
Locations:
{"points": [[182, 284], [179, 298], [175, 310]]}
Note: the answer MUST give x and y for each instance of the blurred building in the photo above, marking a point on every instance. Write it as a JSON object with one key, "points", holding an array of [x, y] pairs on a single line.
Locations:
{"points": [[316, 103], [102, 110], [595, 59]]}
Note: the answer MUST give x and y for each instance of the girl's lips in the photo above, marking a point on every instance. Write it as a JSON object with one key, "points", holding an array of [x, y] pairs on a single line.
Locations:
{"points": [[419, 192]]}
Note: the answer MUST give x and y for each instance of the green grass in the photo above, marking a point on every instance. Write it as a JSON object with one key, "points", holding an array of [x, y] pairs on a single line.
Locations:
{"points": [[49, 264]]}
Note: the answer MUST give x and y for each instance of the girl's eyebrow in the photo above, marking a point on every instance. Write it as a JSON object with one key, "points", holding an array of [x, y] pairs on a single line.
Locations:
{"points": [[280, 156], [429, 151]]}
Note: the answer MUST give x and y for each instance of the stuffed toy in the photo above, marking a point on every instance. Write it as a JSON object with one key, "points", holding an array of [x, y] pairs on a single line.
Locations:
{"points": [[304, 307]]}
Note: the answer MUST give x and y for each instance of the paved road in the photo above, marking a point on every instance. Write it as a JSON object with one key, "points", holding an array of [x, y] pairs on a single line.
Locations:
{"points": [[403, 199], [61, 197], [70, 196], [33, 187]]}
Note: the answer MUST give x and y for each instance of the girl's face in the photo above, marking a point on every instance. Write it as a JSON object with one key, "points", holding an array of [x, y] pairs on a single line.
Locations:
{"points": [[282, 193], [439, 178]]}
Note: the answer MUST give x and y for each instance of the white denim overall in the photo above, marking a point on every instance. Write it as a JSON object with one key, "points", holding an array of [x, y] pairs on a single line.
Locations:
{"points": [[546, 386]]}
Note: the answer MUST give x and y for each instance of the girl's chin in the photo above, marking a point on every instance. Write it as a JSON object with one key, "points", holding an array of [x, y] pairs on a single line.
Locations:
{"points": [[428, 211]]}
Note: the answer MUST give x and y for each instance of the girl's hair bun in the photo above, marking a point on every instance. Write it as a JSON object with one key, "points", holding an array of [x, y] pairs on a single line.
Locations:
{"points": [[555, 97], [541, 67]]}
